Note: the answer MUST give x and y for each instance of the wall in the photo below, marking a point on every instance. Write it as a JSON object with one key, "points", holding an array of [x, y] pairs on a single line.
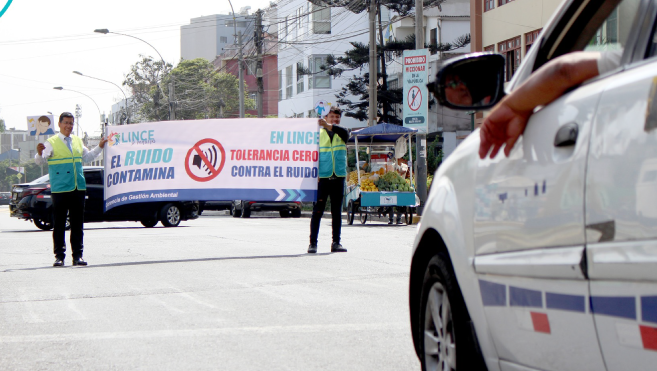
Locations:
{"points": [[202, 37]]}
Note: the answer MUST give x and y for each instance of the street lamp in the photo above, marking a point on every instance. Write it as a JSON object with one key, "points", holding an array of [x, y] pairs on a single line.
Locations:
{"points": [[79, 92], [127, 104], [105, 31]]}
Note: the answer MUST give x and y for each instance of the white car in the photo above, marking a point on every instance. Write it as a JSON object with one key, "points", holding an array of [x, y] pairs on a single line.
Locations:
{"points": [[547, 259]]}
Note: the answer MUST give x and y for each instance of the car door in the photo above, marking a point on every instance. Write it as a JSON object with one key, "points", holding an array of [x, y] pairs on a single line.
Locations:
{"points": [[621, 213], [93, 206], [529, 227]]}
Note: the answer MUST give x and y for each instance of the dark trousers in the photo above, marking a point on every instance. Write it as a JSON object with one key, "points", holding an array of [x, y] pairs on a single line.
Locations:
{"points": [[71, 203], [333, 188]]}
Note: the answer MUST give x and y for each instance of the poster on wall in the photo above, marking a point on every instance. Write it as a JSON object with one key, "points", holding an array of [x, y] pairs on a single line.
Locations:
{"points": [[212, 160]]}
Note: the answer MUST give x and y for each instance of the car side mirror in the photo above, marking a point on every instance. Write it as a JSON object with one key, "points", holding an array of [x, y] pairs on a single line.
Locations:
{"points": [[472, 82]]}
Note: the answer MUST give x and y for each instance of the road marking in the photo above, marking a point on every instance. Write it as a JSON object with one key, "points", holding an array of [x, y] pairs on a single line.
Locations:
{"points": [[90, 336]]}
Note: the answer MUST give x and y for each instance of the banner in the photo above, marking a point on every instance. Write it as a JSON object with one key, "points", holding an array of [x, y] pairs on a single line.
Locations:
{"points": [[216, 159]]}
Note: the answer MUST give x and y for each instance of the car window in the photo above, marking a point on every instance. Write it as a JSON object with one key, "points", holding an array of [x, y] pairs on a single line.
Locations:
{"points": [[652, 48], [93, 177], [615, 29]]}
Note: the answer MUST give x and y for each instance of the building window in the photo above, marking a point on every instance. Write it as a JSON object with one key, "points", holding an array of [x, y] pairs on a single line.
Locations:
{"points": [[321, 19], [396, 107], [319, 78], [489, 5], [530, 37], [510, 49], [433, 39], [288, 82], [280, 85], [223, 39], [490, 48], [300, 77], [502, 2]]}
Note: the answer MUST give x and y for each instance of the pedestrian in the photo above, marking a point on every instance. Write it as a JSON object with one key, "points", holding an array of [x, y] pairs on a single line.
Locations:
{"points": [[332, 172], [64, 154]]}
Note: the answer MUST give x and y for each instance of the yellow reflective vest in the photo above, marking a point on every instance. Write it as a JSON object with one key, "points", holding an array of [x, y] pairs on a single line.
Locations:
{"points": [[332, 155], [64, 167]]}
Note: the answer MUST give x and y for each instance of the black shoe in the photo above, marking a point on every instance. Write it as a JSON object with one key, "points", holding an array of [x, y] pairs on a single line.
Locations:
{"points": [[399, 221], [336, 247], [312, 248], [389, 221], [79, 262], [58, 263]]}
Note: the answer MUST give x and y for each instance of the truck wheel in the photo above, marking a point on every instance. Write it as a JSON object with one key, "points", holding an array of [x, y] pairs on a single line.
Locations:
{"points": [[234, 212], [296, 213], [284, 213], [43, 225], [246, 212], [170, 215], [446, 335]]}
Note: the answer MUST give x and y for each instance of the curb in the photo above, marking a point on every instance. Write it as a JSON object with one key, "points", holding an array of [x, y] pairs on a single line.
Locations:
{"points": [[304, 214]]}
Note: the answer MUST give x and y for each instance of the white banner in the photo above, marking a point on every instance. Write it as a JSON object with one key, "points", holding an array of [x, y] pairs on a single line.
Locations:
{"points": [[217, 159]]}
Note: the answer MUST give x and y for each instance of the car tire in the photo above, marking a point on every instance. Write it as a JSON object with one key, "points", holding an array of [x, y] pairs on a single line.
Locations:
{"points": [[170, 215], [446, 342], [284, 213], [43, 225], [149, 223], [234, 212], [246, 212], [296, 213]]}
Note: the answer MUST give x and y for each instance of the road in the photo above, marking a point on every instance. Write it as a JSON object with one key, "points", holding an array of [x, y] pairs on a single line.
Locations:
{"points": [[215, 293]]}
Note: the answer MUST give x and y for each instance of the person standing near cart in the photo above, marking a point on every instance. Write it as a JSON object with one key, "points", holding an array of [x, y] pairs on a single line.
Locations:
{"points": [[332, 172], [65, 153]]}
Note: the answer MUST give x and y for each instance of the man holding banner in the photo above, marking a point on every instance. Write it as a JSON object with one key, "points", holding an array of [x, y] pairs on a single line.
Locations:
{"points": [[332, 172], [65, 153]]}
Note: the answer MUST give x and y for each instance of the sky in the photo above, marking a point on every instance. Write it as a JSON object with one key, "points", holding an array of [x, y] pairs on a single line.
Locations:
{"points": [[43, 41]]}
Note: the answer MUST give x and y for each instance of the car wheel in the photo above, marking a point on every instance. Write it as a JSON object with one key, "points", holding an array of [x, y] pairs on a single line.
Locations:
{"points": [[350, 212], [43, 225], [284, 213], [246, 212], [149, 223], [170, 215], [234, 212], [296, 213], [445, 332]]}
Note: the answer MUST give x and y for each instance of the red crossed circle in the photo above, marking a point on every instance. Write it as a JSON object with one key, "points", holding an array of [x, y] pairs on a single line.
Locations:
{"points": [[213, 171]]}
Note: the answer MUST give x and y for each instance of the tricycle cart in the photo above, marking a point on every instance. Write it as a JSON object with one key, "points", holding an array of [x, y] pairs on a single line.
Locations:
{"points": [[364, 200]]}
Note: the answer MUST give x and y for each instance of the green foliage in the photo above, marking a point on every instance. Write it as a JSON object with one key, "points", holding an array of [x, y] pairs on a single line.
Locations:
{"points": [[198, 90], [2, 126], [9, 177]]}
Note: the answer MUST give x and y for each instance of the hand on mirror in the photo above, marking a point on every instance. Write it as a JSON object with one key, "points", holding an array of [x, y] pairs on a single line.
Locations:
{"points": [[40, 148]]}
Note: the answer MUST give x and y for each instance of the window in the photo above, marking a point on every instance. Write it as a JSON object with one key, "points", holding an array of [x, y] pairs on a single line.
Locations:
{"points": [[311, 113], [530, 37], [396, 107], [614, 31], [288, 82], [433, 39], [510, 49], [319, 79], [223, 39], [502, 2], [93, 177], [300, 77], [280, 85], [490, 48], [321, 19], [489, 5]]}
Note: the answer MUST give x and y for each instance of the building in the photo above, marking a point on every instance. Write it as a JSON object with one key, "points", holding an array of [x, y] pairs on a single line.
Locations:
{"points": [[207, 36], [308, 34]]}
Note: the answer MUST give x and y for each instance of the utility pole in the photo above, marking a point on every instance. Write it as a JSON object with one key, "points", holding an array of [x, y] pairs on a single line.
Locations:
{"points": [[241, 75], [172, 109], [420, 138], [259, 41], [78, 114], [373, 76]]}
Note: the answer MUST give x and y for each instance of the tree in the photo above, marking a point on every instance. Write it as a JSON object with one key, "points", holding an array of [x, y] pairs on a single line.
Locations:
{"points": [[358, 58], [198, 90], [2, 126], [144, 84]]}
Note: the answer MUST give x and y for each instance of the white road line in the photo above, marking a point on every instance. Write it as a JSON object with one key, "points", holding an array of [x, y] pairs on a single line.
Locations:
{"points": [[89, 336]]}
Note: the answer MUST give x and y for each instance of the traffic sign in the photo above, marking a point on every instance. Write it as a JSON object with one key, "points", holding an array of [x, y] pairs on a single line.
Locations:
{"points": [[416, 108], [205, 160], [414, 98]]}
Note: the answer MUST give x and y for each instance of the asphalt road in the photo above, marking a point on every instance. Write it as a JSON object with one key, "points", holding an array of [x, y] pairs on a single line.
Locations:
{"points": [[216, 293]]}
